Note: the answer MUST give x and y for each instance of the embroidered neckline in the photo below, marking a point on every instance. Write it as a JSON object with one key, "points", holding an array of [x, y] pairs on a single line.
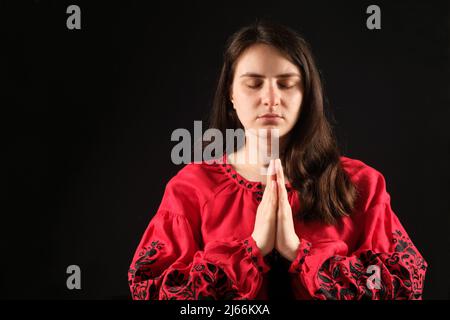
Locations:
{"points": [[253, 186]]}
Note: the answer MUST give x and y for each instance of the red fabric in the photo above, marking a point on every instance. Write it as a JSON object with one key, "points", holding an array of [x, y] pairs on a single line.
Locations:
{"points": [[198, 245]]}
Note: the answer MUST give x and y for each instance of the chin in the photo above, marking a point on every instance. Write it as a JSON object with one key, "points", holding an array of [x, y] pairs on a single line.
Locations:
{"points": [[281, 131]]}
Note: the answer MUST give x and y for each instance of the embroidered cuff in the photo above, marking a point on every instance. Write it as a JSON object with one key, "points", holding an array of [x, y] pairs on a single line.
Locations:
{"points": [[303, 250], [255, 254]]}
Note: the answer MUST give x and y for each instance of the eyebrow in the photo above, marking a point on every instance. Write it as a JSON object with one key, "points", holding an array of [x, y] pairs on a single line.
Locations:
{"points": [[257, 75]]}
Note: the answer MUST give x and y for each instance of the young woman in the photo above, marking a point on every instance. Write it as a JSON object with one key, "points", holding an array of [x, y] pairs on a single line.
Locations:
{"points": [[318, 226]]}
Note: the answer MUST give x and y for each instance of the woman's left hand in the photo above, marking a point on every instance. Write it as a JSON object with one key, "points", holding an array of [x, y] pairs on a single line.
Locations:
{"points": [[287, 241]]}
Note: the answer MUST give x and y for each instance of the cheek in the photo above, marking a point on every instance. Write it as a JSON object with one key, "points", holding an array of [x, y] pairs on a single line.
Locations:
{"points": [[245, 104], [294, 102], [246, 95], [244, 113], [242, 92]]}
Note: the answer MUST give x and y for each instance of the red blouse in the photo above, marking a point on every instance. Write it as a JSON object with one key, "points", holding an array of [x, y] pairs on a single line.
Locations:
{"points": [[198, 245]]}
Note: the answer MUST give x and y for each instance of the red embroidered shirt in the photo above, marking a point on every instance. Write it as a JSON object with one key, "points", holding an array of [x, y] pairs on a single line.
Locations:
{"points": [[198, 245]]}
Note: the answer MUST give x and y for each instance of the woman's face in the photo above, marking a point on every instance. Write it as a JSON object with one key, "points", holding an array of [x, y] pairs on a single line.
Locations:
{"points": [[267, 89]]}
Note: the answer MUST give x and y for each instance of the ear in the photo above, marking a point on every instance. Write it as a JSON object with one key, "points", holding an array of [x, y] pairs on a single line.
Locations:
{"points": [[231, 98]]}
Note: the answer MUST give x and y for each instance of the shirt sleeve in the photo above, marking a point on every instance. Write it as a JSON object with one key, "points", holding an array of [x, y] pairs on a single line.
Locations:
{"points": [[171, 263], [386, 265]]}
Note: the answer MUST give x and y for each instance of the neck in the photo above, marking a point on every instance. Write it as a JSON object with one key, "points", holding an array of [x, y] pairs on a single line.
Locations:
{"points": [[256, 156]]}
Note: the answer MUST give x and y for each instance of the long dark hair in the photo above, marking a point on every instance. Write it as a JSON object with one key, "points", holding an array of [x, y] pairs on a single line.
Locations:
{"points": [[311, 157]]}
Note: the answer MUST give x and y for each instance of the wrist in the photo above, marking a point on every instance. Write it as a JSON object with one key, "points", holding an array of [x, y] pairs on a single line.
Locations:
{"points": [[291, 253]]}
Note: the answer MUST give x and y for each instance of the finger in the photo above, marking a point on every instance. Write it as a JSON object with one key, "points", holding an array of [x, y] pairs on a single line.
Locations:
{"points": [[271, 172], [282, 192], [280, 180], [269, 187], [272, 190], [270, 201], [279, 170], [282, 198], [270, 169]]}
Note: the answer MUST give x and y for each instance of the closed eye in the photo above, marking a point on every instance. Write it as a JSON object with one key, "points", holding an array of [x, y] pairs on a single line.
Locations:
{"points": [[281, 85], [254, 85], [286, 85]]}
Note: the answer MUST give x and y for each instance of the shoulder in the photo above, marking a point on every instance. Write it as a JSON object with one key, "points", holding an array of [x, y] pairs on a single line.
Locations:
{"points": [[369, 182], [199, 176], [194, 184]]}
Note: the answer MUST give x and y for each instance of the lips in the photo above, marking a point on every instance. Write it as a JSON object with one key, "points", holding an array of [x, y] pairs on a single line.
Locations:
{"points": [[270, 116]]}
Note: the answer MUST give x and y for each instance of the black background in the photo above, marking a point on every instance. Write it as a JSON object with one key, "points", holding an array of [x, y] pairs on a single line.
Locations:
{"points": [[89, 115]]}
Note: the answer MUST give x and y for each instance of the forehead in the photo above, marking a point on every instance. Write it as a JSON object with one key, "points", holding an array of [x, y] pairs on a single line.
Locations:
{"points": [[264, 59]]}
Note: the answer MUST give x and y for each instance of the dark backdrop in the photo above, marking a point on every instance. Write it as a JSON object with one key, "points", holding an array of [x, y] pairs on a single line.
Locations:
{"points": [[89, 114]]}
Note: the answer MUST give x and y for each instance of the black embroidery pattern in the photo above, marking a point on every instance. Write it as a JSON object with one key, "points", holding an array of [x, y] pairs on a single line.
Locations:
{"points": [[402, 274], [140, 277], [306, 251], [205, 281], [255, 187], [257, 262]]}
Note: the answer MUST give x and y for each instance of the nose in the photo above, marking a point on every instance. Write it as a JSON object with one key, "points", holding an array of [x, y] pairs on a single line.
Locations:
{"points": [[271, 96]]}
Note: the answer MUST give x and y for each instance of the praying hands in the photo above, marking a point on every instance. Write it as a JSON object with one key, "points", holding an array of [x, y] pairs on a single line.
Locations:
{"points": [[274, 225]]}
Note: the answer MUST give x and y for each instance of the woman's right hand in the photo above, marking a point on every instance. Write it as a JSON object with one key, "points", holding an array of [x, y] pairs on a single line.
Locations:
{"points": [[266, 214]]}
